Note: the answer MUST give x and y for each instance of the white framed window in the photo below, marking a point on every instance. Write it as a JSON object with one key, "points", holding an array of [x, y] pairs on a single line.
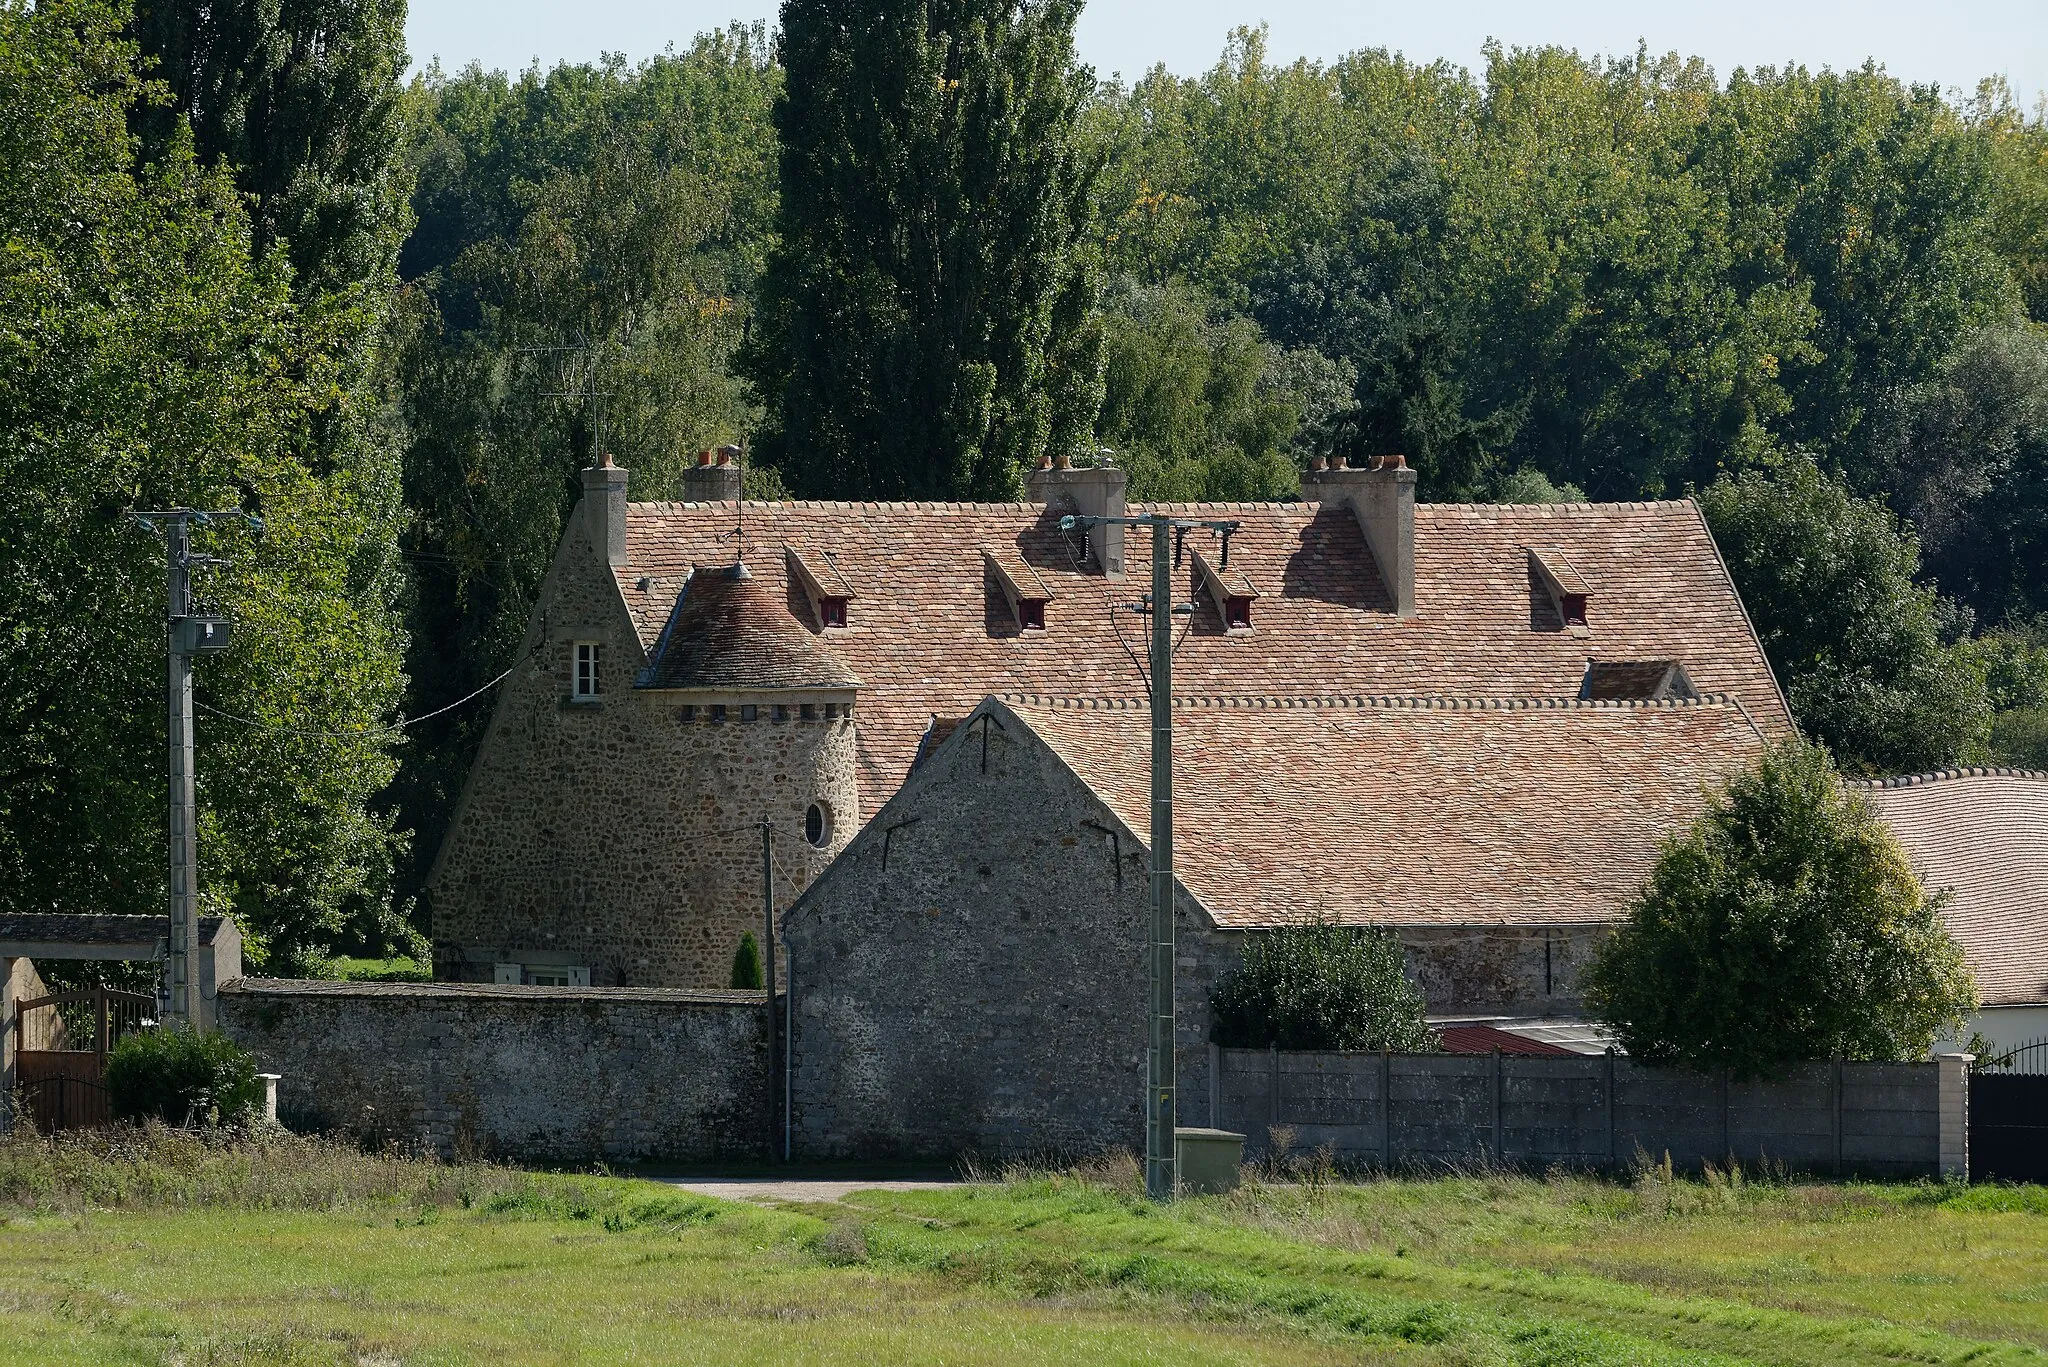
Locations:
{"points": [[553, 975], [585, 658]]}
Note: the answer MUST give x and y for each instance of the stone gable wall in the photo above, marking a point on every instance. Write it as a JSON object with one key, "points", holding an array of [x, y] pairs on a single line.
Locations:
{"points": [[528, 1073], [970, 975], [615, 835]]}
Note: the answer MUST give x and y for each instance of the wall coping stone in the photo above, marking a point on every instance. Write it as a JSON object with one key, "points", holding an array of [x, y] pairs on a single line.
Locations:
{"points": [[327, 987]]}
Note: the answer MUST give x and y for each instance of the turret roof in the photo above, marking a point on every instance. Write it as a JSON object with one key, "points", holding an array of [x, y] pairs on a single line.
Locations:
{"points": [[729, 633]]}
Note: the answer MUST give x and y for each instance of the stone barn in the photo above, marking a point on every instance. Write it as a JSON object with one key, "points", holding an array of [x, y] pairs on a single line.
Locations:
{"points": [[696, 669], [969, 973]]}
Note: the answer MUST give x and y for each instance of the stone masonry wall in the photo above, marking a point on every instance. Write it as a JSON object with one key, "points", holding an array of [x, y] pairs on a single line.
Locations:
{"points": [[530, 1073], [970, 974], [613, 834]]}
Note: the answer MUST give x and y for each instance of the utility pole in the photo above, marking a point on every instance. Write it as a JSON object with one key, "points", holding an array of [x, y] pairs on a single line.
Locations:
{"points": [[191, 631], [1162, 1176], [768, 975]]}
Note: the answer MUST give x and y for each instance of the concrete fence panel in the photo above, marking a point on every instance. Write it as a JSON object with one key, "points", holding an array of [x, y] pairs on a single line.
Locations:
{"points": [[1880, 1119]]}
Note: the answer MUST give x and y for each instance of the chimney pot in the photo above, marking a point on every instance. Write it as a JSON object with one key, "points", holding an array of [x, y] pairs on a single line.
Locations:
{"points": [[727, 454], [1062, 461], [1318, 463], [714, 478], [1339, 463]]}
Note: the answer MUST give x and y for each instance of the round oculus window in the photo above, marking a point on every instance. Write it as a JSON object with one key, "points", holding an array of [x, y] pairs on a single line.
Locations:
{"points": [[817, 824]]}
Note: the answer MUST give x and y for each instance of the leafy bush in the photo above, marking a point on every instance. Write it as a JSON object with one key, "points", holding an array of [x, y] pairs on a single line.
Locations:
{"points": [[1319, 986], [1830, 580], [746, 964], [2020, 738], [1786, 924], [182, 1077]]}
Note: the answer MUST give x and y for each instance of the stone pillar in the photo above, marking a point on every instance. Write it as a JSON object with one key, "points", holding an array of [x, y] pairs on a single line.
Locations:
{"points": [[1955, 1114], [269, 1081]]}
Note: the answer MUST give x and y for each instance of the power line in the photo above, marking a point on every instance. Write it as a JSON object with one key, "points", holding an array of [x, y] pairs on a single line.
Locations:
{"points": [[367, 730]]}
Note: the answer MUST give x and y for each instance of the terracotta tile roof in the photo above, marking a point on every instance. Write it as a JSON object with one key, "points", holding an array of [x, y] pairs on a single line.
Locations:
{"points": [[1484, 1039], [728, 633], [1425, 811], [1983, 835], [928, 634], [1618, 680]]}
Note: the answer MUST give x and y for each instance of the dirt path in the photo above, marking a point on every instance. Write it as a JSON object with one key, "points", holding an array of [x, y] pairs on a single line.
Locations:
{"points": [[792, 1189]]}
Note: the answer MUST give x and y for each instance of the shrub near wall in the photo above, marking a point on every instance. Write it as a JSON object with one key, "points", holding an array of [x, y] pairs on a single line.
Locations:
{"points": [[182, 1077], [1320, 986]]}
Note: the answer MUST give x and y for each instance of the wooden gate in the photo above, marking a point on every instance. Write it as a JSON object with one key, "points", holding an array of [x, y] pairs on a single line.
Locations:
{"points": [[2009, 1117], [62, 1086]]}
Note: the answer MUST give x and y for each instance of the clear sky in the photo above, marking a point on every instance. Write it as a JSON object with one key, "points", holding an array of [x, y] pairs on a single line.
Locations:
{"points": [[1952, 44]]}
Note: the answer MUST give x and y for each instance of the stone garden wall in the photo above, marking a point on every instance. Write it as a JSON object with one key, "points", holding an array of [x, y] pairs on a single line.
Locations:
{"points": [[548, 1075]]}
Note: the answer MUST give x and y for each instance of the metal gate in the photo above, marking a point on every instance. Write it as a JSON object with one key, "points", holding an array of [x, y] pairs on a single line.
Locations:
{"points": [[60, 1084], [2009, 1116]]}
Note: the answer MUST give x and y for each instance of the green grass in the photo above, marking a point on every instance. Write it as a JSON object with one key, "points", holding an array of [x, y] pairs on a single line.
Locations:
{"points": [[165, 1248]]}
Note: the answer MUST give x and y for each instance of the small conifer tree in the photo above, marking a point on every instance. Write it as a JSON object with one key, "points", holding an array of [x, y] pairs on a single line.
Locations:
{"points": [[746, 965]]}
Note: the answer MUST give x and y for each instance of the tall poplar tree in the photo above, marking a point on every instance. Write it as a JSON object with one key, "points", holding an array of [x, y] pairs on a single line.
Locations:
{"points": [[301, 98], [925, 324]]}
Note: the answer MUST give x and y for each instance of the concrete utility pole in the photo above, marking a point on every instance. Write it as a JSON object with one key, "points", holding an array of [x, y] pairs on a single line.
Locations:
{"points": [[768, 974], [1162, 1177], [190, 632]]}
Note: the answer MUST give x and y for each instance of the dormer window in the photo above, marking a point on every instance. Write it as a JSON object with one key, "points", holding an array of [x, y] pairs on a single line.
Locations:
{"points": [[1551, 570], [818, 578], [1231, 590], [1020, 587], [584, 682], [1637, 681]]}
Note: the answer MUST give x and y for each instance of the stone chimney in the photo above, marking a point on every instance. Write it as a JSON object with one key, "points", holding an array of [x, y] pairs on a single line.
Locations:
{"points": [[715, 478], [1382, 498], [604, 510], [1096, 491]]}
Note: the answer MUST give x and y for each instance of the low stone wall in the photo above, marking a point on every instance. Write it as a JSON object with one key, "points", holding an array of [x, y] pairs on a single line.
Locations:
{"points": [[1880, 1119], [539, 1074]]}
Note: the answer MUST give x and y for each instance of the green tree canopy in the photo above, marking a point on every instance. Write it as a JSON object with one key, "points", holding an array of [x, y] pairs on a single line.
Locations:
{"points": [[1857, 644], [589, 239], [1965, 453], [301, 98], [1198, 404], [925, 329], [149, 358], [1320, 986], [1785, 925]]}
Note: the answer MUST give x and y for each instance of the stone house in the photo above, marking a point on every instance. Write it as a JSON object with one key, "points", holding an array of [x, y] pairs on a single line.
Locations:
{"points": [[696, 670], [988, 994]]}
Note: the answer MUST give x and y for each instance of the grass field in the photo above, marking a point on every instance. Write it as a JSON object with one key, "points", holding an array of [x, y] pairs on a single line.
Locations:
{"points": [[172, 1249]]}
